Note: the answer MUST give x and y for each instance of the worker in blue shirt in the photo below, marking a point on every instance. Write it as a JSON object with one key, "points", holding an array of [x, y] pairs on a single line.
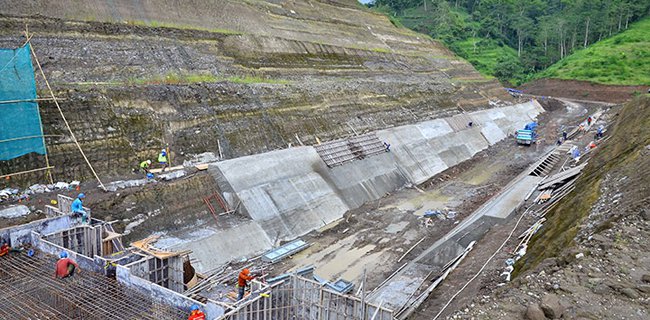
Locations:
{"points": [[78, 209]]}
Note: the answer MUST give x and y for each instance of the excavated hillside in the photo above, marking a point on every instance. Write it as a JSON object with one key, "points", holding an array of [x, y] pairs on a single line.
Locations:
{"points": [[248, 76], [590, 259]]}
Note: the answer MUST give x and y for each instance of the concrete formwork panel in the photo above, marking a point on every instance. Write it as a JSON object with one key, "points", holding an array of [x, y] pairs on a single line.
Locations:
{"points": [[225, 245]]}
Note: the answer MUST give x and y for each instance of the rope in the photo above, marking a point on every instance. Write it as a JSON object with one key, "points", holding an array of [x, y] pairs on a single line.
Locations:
{"points": [[74, 138], [482, 268]]}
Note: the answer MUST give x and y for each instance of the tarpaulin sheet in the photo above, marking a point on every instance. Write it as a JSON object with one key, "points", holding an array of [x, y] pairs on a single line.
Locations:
{"points": [[20, 123]]}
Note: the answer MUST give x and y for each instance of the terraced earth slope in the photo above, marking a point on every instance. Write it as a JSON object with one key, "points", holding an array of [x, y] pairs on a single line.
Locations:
{"points": [[248, 76]]}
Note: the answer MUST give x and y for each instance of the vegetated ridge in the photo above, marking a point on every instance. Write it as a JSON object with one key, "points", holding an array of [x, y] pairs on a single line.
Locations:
{"points": [[513, 40], [623, 59]]}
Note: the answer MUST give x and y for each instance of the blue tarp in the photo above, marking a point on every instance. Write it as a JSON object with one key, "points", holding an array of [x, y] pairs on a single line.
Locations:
{"points": [[531, 126], [20, 122]]}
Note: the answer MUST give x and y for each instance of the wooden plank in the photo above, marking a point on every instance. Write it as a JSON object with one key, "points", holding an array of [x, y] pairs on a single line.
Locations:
{"points": [[159, 170], [202, 166]]}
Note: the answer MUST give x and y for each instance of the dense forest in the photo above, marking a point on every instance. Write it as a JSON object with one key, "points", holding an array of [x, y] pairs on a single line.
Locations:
{"points": [[514, 39]]}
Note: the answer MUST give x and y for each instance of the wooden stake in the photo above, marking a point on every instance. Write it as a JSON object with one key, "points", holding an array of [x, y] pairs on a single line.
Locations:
{"points": [[74, 138], [23, 172]]}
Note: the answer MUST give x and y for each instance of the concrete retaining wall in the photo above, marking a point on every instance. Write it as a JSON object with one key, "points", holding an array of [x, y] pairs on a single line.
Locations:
{"points": [[291, 192], [22, 234]]}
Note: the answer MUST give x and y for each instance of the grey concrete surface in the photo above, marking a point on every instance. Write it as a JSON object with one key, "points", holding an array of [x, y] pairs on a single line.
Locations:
{"points": [[396, 292], [288, 193]]}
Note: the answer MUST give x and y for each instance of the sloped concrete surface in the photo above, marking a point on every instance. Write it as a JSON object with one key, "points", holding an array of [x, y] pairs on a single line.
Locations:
{"points": [[288, 193]]}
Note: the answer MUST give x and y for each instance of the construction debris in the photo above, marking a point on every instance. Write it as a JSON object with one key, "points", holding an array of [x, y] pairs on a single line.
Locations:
{"points": [[14, 211]]}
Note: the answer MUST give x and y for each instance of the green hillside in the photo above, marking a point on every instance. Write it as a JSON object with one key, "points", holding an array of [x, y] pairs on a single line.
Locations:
{"points": [[485, 54], [623, 59], [514, 40]]}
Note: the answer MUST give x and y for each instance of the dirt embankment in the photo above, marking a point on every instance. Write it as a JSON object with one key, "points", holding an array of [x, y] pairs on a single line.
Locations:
{"points": [[582, 90], [590, 260], [135, 78]]}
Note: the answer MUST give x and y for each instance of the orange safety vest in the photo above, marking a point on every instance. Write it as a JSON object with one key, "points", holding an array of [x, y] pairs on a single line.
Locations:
{"points": [[197, 315], [4, 250]]}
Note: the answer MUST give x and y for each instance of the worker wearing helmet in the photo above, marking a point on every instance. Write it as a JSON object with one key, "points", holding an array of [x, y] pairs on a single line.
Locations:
{"points": [[65, 267], [4, 248], [196, 313], [78, 209], [162, 159], [144, 166], [242, 282]]}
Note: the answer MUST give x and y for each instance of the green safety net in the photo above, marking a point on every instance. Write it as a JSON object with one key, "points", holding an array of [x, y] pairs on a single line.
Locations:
{"points": [[20, 122]]}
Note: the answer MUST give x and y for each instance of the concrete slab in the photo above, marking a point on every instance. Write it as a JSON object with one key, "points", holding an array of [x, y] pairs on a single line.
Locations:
{"points": [[221, 246], [492, 133], [434, 128], [505, 203]]}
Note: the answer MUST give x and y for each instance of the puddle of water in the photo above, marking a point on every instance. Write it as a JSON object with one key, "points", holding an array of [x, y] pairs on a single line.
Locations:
{"points": [[433, 200], [480, 174], [396, 227], [339, 260]]}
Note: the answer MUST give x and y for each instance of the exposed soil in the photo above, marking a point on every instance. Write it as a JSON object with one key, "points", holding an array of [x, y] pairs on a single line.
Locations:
{"points": [[582, 90]]}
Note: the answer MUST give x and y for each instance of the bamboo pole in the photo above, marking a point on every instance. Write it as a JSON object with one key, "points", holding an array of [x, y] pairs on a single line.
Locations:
{"points": [[31, 137], [28, 171], [26, 100], [74, 138]]}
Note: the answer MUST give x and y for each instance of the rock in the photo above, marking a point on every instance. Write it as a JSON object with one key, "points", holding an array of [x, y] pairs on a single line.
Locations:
{"points": [[645, 288], [645, 214], [630, 293], [645, 278], [551, 306], [602, 289], [534, 312]]}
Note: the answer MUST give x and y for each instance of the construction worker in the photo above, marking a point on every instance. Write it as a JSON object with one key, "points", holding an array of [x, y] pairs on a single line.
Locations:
{"points": [[599, 133], [242, 282], [4, 248], [564, 135], [196, 313], [65, 267], [162, 159], [144, 166], [78, 209]]}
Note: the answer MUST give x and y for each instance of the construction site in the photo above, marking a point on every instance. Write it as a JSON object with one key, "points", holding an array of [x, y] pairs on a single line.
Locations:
{"points": [[367, 175]]}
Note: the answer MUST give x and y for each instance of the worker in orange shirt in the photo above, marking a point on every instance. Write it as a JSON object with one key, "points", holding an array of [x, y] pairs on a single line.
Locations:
{"points": [[242, 282], [196, 313], [65, 267], [4, 248]]}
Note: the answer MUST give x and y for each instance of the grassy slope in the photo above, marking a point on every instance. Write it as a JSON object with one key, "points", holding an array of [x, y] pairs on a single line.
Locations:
{"points": [[623, 59], [483, 53]]}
